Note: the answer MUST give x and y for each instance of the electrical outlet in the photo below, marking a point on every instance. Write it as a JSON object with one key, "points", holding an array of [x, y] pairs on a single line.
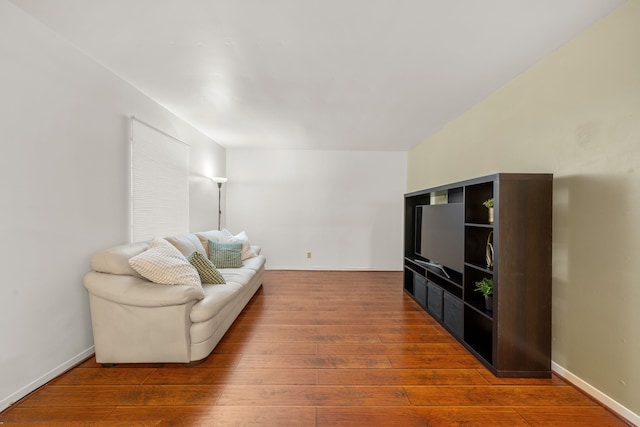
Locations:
{"points": [[308, 255]]}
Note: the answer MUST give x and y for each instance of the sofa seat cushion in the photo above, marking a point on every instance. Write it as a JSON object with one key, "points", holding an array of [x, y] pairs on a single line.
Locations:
{"points": [[239, 275], [255, 263], [216, 297]]}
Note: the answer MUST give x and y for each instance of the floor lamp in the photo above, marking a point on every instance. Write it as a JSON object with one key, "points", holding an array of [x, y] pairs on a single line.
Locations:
{"points": [[219, 180]]}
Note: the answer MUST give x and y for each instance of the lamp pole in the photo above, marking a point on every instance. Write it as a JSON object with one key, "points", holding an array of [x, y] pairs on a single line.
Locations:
{"points": [[219, 180]]}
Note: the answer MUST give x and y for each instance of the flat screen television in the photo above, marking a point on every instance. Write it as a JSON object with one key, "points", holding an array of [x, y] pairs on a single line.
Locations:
{"points": [[440, 235]]}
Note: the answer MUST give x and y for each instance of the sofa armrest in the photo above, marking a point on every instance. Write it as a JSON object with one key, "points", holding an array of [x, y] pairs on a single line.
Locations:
{"points": [[130, 290]]}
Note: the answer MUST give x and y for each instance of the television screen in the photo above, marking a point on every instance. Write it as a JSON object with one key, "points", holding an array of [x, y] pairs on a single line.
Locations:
{"points": [[440, 234]]}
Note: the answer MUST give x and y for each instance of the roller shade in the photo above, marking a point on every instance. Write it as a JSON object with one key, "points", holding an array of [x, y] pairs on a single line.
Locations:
{"points": [[159, 183]]}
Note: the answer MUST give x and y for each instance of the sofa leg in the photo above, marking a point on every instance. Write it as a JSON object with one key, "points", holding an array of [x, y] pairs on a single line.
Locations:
{"points": [[109, 365], [194, 363]]}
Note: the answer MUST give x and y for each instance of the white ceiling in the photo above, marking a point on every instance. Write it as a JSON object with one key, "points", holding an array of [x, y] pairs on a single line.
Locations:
{"points": [[317, 74]]}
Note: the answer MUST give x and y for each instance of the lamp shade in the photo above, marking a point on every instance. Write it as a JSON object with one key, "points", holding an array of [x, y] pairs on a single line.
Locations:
{"points": [[219, 179]]}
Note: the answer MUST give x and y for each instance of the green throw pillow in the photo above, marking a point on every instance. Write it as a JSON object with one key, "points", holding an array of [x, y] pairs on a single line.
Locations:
{"points": [[206, 269], [225, 255]]}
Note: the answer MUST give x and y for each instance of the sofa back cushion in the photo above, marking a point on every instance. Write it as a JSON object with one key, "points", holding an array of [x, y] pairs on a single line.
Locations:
{"points": [[115, 260], [187, 244]]}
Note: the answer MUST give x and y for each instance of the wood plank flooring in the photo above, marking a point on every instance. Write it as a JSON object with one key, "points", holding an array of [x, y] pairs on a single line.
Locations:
{"points": [[315, 349]]}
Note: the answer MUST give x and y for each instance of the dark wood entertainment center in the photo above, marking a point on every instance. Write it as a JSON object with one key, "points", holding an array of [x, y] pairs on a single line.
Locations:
{"points": [[514, 339]]}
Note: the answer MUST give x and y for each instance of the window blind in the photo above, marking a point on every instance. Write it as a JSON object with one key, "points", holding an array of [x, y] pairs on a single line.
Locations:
{"points": [[159, 183]]}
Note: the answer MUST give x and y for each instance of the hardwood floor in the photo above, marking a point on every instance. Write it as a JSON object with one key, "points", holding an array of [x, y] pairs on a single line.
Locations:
{"points": [[315, 349]]}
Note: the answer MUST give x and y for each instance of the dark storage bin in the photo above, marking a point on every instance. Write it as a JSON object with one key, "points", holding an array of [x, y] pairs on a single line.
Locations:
{"points": [[420, 289], [452, 314], [434, 298]]}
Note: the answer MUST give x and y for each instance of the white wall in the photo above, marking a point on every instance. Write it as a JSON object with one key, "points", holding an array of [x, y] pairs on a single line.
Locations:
{"points": [[575, 114], [64, 186], [344, 207]]}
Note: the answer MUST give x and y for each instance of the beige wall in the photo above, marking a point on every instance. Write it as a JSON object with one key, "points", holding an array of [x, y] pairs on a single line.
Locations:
{"points": [[575, 114]]}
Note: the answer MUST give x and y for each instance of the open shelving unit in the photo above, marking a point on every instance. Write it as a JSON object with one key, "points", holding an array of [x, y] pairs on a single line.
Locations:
{"points": [[513, 339]]}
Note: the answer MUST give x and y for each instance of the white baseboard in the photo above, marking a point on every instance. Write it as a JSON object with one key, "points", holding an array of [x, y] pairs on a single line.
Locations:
{"points": [[596, 394], [39, 382]]}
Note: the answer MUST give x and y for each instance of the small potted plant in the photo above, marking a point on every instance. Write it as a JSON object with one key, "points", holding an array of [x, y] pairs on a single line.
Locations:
{"points": [[485, 286], [489, 205]]}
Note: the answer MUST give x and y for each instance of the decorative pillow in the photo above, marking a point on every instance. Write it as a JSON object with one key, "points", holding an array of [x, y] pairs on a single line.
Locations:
{"points": [[225, 255], [187, 243], [247, 251], [207, 271], [162, 263]]}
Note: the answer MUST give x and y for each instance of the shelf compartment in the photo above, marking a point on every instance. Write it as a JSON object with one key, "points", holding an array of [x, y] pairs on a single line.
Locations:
{"points": [[456, 195], [474, 196], [475, 245], [454, 279], [413, 265], [478, 268], [478, 333], [408, 280], [472, 297]]}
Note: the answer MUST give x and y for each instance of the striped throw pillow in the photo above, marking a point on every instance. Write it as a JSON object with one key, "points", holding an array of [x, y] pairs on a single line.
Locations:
{"points": [[207, 271], [225, 255]]}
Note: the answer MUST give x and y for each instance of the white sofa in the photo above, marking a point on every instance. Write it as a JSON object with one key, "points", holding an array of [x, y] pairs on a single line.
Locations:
{"points": [[137, 321]]}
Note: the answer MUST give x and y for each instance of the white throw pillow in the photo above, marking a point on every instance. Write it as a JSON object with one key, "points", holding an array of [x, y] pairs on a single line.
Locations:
{"points": [[164, 264], [241, 237]]}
